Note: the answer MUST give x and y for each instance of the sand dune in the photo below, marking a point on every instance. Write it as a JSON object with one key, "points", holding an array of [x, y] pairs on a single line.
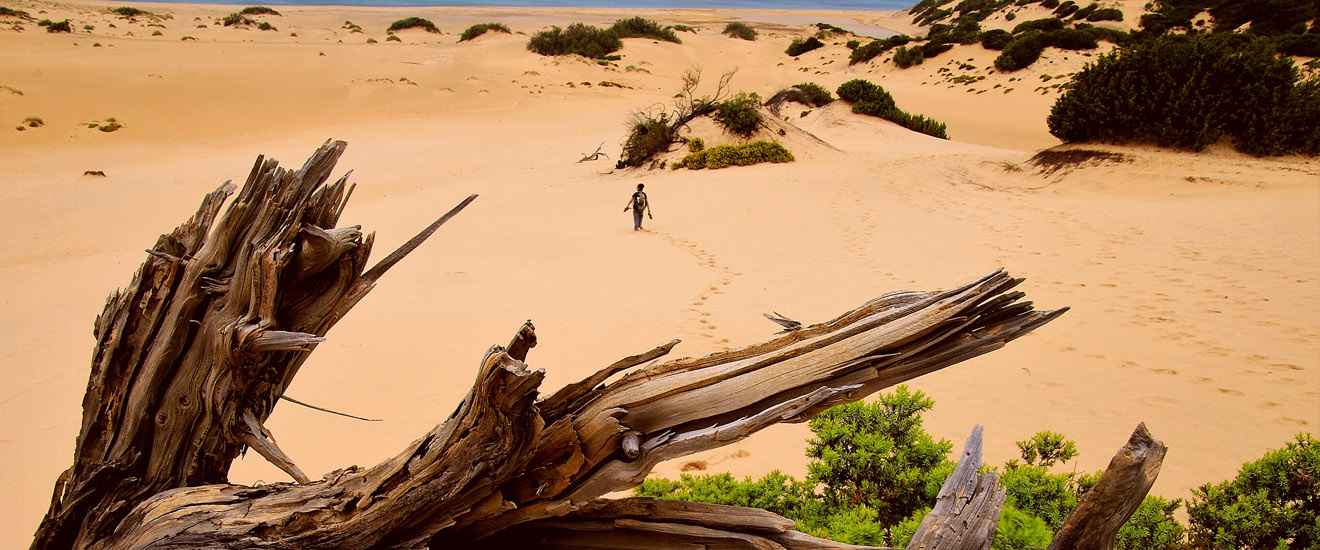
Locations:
{"points": [[1194, 278]]}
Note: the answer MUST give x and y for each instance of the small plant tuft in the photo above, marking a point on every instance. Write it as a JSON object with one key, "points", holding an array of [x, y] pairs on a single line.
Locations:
{"points": [[578, 38], [98, 173], [640, 27], [696, 145], [800, 46], [723, 156], [60, 26], [33, 122], [258, 10]]}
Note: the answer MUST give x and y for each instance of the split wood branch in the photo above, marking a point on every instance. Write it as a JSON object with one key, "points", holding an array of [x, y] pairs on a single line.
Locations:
{"points": [[1094, 523], [967, 508]]}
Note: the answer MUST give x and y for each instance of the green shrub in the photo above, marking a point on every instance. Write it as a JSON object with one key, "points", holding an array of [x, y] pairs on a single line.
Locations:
{"points": [[33, 122], [853, 44], [817, 95], [1010, 16], [996, 39], [580, 39], [967, 31], [740, 115], [265, 26], [1044, 25], [647, 137], [858, 90], [9, 12], [1024, 50], [1299, 45], [1152, 527], [877, 47], [1106, 14], [372, 41], [1273, 503], [722, 156], [800, 46], [738, 29], [934, 48], [393, 38], [683, 28], [1086, 12], [1071, 39], [640, 27], [187, 38], [258, 10], [482, 28], [917, 123], [1019, 530], [696, 145], [235, 19], [906, 57], [1188, 92], [156, 33], [110, 125], [413, 23], [1049, 4], [59, 26], [129, 12], [1068, 7]]}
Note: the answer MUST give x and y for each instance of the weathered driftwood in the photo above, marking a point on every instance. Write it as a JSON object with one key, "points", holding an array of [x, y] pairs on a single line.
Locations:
{"points": [[192, 357], [967, 508], [1094, 524]]}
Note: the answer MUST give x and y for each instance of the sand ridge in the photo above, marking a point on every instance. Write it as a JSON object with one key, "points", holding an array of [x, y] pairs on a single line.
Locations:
{"points": [[1194, 278]]}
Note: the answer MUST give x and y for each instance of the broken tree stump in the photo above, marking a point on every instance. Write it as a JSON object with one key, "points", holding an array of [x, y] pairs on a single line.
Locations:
{"points": [[967, 509], [1094, 523], [194, 355]]}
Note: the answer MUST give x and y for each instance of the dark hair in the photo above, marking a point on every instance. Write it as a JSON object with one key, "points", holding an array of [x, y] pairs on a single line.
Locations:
{"points": [[640, 186]]}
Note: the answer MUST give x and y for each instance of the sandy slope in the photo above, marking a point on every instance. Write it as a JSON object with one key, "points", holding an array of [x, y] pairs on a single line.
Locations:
{"points": [[1194, 278]]}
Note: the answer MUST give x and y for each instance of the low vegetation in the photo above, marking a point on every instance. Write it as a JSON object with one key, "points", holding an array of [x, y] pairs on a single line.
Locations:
{"points": [[723, 156], [872, 100], [683, 28], [640, 27], [237, 19], [33, 122], [413, 23], [655, 130], [874, 472], [740, 115], [482, 28], [128, 12], [738, 29], [578, 38], [56, 26], [258, 10], [1189, 92], [801, 45], [10, 12]]}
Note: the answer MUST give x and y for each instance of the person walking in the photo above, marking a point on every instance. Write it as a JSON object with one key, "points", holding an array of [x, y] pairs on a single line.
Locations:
{"points": [[638, 203]]}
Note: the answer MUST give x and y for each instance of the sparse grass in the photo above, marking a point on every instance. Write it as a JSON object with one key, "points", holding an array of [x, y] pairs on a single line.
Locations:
{"points": [[187, 38], [156, 33], [107, 126], [738, 29], [640, 27], [59, 26], [7, 12], [351, 27], [99, 173], [609, 84], [482, 28], [258, 10], [413, 23], [96, 44], [88, 27], [1049, 162], [683, 28], [372, 41], [34, 122], [393, 38], [266, 26]]}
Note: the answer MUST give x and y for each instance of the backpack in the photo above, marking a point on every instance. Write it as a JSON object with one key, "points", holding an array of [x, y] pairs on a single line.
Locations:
{"points": [[639, 201]]}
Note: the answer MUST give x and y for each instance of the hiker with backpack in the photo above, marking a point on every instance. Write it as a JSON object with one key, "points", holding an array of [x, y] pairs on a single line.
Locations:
{"points": [[638, 203]]}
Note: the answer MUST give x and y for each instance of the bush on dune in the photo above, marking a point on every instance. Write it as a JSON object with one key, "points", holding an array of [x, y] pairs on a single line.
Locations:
{"points": [[482, 28], [1188, 92], [800, 46], [872, 100], [738, 29], [413, 23], [578, 38], [1024, 50], [740, 115], [258, 10], [640, 27], [59, 26], [723, 156]]}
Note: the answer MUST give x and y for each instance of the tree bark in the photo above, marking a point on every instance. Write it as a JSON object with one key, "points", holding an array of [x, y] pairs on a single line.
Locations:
{"points": [[192, 357], [1094, 523], [967, 508]]}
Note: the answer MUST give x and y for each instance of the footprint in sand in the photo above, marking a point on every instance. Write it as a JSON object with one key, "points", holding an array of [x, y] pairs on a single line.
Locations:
{"points": [[1228, 391], [1164, 371], [1291, 421], [1286, 366]]}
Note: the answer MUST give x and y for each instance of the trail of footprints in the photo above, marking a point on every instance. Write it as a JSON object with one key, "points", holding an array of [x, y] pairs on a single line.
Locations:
{"points": [[697, 309]]}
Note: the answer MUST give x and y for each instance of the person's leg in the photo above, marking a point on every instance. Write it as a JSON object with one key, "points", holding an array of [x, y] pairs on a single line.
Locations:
{"points": [[637, 219]]}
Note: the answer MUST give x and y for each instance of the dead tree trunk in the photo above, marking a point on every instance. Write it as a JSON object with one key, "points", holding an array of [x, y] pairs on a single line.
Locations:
{"points": [[967, 508], [194, 354], [1094, 524]]}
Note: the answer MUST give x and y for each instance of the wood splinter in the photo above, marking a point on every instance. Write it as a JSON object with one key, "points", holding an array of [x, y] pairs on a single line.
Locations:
{"points": [[258, 439]]}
